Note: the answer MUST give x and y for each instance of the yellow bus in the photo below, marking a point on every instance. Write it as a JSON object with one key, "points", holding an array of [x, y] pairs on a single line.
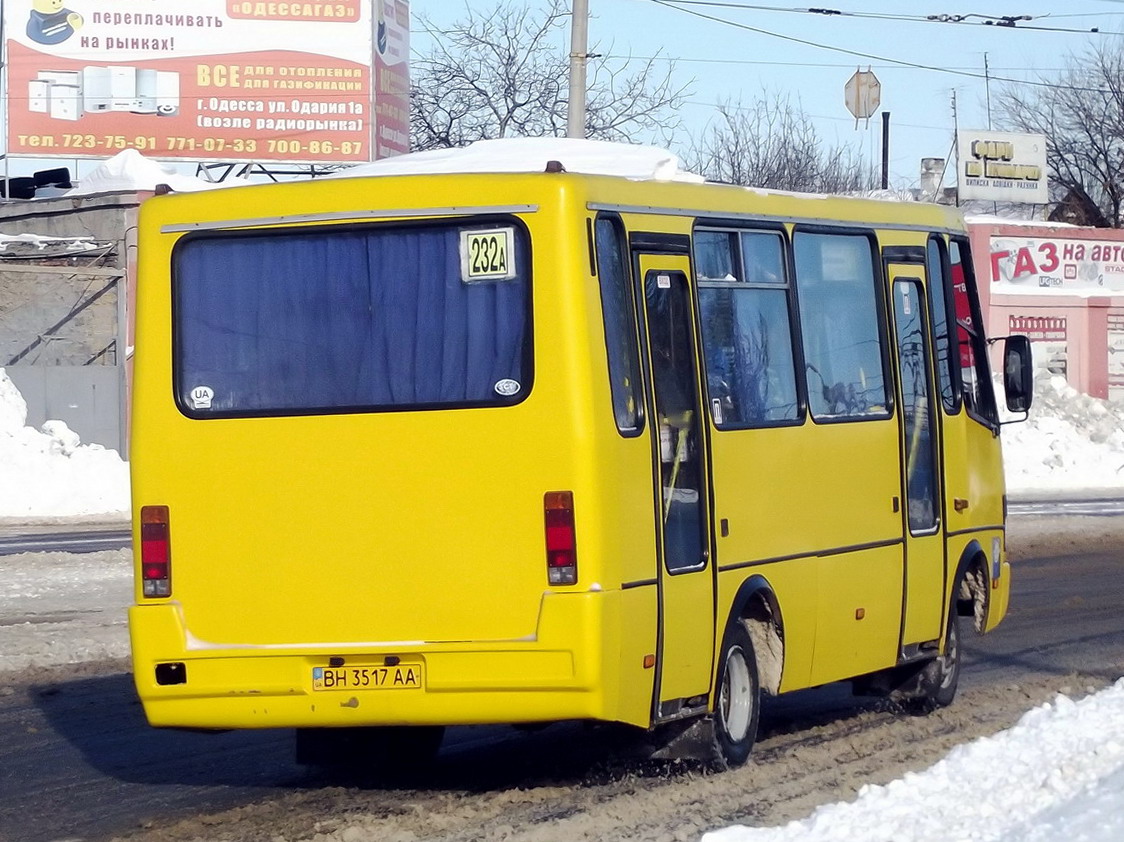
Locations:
{"points": [[412, 451]]}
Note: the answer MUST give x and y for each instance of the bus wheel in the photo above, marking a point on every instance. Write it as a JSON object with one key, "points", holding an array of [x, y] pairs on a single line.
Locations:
{"points": [[940, 677], [738, 704]]}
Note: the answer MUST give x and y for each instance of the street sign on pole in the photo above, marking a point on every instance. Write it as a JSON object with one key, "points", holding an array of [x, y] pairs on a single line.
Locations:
{"points": [[863, 94]]}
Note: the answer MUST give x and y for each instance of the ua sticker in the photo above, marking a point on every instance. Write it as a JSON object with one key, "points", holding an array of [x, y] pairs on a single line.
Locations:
{"points": [[507, 388], [201, 397]]}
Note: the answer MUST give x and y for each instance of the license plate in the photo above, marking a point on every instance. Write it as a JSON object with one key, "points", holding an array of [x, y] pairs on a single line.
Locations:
{"points": [[401, 677]]}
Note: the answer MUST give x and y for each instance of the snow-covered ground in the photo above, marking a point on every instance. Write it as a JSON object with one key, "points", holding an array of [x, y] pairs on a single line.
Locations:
{"points": [[61, 608], [1058, 774]]}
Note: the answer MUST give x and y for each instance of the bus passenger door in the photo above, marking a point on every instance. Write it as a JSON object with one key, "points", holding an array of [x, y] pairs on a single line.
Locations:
{"points": [[923, 604], [679, 453]]}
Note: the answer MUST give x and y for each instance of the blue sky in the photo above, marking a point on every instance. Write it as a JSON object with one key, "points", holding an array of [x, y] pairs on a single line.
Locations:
{"points": [[729, 61], [763, 47]]}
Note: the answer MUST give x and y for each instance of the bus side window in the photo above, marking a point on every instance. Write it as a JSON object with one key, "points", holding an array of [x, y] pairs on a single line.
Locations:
{"points": [[939, 295], [619, 317], [975, 375], [747, 336], [839, 318]]}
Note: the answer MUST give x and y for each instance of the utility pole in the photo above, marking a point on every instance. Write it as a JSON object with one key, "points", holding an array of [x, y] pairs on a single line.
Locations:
{"points": [[956, 144], [579, 54], [987, 90], [885, 150]]}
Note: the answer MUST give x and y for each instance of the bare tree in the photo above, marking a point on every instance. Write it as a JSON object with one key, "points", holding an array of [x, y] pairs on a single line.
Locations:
{"points": [[1081, 112], [772, 143], [502, 72]]}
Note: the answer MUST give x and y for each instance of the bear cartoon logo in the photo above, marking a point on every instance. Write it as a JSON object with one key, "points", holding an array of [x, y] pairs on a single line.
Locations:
{"points": [[50, 23]]}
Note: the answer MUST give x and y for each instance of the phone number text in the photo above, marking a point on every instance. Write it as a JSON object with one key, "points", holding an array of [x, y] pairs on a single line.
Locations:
{"points": [[102, 143]]}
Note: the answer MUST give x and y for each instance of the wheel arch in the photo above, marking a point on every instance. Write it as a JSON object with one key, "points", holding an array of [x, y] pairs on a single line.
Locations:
{"points": [[756, 606], [971, 585]]}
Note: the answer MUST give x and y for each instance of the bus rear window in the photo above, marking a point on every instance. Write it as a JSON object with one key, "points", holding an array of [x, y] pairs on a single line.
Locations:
{"points": [[370, 318]]}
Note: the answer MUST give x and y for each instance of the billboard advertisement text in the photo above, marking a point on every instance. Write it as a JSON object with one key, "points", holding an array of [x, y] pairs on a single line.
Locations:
{"points": [[1001, 166], [214, 80], [1056, 265]]}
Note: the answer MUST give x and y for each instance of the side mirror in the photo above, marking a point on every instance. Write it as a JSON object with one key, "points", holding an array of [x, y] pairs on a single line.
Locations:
{"points": [[1018, 373]]}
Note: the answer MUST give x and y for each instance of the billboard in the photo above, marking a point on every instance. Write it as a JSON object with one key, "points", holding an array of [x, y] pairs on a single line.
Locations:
{"points": [[1001, 166], [210, 80], [1056, 265]]}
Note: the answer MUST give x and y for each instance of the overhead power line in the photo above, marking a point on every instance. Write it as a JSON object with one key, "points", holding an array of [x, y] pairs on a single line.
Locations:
{"points": [[749, 61], [675, 5], [970, 19]]}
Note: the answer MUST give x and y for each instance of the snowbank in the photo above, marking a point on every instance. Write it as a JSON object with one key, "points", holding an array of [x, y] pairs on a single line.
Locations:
{"points": [[1057, 774], [130, 171], [1070, 442], [49, 472]]}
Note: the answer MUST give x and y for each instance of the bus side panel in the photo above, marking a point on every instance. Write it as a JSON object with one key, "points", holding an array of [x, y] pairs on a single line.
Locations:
{"points": [[620, 546], [824, 495], [792, 583], [974, 473], [849, 486], [758, 495], [860, 613], [630, 631]]}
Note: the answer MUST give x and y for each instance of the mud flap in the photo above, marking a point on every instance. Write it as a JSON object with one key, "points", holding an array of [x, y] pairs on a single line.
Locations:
{"points": [[688, 739]]}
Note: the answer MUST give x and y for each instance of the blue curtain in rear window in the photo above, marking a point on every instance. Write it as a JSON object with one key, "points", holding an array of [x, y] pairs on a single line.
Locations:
{"points": [[358, 319]]}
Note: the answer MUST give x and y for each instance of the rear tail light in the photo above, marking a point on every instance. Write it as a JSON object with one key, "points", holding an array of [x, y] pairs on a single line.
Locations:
{"points": [[156, 552], [561, 545]]}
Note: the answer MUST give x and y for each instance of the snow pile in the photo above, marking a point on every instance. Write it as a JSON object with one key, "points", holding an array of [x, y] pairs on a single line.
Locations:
{"points": [[130, 171], [49, 472], [1056, 775], [41, 243], [1071, 441], [531, 154]]}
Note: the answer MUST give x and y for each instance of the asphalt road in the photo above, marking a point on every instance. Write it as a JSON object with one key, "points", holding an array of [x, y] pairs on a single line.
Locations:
{"points": [[77, 541], [77, 760], [16, 539]]}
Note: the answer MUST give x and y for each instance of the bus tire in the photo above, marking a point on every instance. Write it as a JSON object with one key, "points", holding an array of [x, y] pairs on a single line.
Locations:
{"points": [[737, 705], [940, 677]]}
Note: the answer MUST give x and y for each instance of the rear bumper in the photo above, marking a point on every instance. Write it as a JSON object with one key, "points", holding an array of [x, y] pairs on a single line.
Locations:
{"points": [[557, 675]]}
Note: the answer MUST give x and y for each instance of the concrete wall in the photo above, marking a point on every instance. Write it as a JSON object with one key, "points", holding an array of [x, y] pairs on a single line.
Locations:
{"points": [[65, 310]]}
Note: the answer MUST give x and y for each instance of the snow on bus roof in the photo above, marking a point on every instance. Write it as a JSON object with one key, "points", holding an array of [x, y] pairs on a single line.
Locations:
{"points": [[589, 157], [531, 154]]}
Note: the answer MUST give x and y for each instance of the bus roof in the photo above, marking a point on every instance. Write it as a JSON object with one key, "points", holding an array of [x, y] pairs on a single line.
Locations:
{"points": [[632, 162]]}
